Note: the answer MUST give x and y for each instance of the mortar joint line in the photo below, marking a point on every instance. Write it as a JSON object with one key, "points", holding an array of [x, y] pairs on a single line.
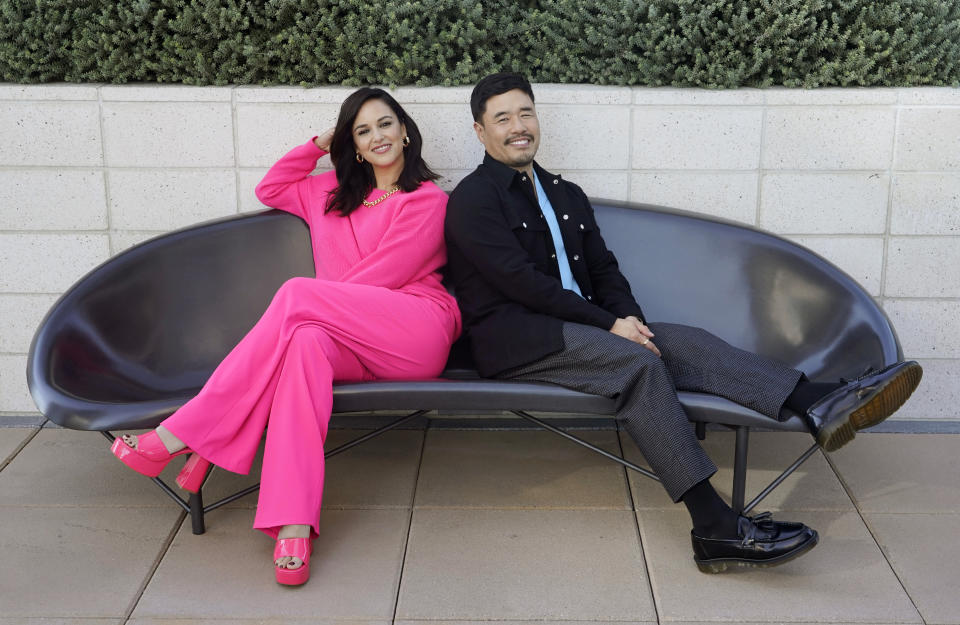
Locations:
{"points": [[757, 210], [630, 139], [889, 212], [236, 150], [105, 172]]}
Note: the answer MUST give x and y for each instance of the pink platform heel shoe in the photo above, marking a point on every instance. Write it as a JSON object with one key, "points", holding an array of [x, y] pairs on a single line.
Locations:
{"points": [[296, 548], [150, 457]]}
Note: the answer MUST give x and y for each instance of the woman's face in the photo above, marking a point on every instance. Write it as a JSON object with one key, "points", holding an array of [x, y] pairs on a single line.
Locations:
{"points": [[378, 134]]}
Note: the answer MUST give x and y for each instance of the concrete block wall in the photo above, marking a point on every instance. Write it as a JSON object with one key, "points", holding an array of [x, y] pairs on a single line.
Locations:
{"points": [[869, 178]]}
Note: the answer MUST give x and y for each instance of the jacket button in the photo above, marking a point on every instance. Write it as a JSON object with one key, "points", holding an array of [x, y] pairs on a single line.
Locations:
{"points": [[553, 255], [541, 216], [524, 224], [581, 226], [566, 216], [556, 181], [589, 297], [576, 257], [524, 178]]}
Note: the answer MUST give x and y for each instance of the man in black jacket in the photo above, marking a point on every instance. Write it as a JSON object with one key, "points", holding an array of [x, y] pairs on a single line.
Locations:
{"points": [[543, 299]]}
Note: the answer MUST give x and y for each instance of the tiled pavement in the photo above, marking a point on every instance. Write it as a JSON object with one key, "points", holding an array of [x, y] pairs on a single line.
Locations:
{"points": [[464, 526]]}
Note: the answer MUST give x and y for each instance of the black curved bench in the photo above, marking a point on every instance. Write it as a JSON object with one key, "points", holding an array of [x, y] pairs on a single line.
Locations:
{"points": [[139, 335]]}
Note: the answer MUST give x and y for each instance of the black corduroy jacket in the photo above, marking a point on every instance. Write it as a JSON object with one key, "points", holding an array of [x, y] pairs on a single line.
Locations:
{"points": [[503, 266]]}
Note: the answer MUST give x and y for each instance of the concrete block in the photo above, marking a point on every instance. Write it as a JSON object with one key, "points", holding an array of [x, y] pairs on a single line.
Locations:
{"points": [[157, 199], [861, 257], [14, 395], [730, 195], [247, 181], [938, 395], [923, 267], [48, 263], [121, 241], [265, 132], [696, 138], [576, 94], [171, 134], [929, 95], [834, 97], [61, 92], [52, 199], [927, 328], [609, 185], [592, 137], [925, 204], [450, 178], [436, 95], [164, 93], [50, 133], [928, 138], [270, 95], [671, 96], [449, 141], [854, 203], [828, 137], [21, 315]]}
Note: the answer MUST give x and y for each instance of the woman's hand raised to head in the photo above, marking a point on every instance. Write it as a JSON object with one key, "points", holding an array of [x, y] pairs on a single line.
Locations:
{"points": [[323, 139]]}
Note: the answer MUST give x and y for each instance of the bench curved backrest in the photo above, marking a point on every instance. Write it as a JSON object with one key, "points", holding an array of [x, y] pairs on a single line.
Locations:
{"points": [[140, 334]]}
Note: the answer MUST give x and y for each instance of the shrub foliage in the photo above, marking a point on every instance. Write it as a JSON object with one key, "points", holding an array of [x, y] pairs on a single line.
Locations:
{"points": [[703, 43]]}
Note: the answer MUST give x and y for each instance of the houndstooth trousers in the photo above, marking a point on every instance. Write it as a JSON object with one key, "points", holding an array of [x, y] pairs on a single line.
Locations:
{"points": [[645, 388]]}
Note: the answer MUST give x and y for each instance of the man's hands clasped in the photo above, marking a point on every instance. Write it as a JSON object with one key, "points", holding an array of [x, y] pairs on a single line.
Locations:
{"points": [[634, 330]]}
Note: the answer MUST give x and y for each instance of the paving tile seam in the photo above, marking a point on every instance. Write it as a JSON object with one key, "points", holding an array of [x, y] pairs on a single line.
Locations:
{"points": [[83, 506], [164, 548], [636, 524], [406, 540], [873, 534], [534, 508]]}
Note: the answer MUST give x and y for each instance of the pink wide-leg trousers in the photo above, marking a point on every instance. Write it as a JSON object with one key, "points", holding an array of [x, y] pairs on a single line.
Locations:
{"points": [[280, 377]]}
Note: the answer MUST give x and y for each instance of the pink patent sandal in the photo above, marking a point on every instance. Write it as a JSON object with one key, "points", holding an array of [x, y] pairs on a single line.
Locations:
{"points": [[150, 457], [296, 548]]}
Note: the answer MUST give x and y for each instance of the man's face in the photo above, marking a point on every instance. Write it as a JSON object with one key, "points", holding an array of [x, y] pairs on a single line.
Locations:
{"points": [[509, 129]]}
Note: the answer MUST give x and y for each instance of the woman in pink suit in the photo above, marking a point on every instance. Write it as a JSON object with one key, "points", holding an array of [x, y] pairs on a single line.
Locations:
{"points": [[376, 310]]}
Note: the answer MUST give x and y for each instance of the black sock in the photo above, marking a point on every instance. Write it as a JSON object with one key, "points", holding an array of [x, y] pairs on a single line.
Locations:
{"points": [[712, 517], [807, 393]]}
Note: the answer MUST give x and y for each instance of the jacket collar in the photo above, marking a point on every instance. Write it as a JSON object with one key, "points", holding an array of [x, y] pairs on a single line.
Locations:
{"points": [[504, 175]]}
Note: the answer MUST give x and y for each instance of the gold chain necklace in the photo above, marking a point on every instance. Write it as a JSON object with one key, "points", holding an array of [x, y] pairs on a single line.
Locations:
{"points": [[382, 197]]}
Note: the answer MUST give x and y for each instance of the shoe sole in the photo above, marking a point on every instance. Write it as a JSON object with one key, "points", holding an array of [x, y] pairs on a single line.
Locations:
{"points": [[721, 565], [884, 403]]}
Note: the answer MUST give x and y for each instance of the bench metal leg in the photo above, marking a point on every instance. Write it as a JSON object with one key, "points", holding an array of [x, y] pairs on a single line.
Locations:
{"points": [[793, 467], [329, 454], [580, 441], [740, 466], [196, 512]]}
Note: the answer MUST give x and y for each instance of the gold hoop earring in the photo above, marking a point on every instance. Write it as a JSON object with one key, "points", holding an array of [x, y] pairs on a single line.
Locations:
{"points": [[359, 158], [406, 141]]}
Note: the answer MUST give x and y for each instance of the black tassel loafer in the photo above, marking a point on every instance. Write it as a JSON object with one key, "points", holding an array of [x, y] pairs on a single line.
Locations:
{"points": [[834, 419], [761, 542]]}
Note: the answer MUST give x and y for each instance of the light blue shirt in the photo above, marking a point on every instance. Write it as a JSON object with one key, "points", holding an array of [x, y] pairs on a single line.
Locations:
{"points": [[566, 275]]}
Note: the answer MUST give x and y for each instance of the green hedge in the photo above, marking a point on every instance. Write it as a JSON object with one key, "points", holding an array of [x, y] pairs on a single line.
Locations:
{"points": [[722, 43]]}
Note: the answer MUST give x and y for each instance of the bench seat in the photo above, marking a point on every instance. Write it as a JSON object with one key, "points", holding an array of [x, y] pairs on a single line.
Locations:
{"points": [[138, 336]]}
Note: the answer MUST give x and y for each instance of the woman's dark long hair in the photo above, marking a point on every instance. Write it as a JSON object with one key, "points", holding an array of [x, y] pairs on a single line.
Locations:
{"points": [[356, 180]]}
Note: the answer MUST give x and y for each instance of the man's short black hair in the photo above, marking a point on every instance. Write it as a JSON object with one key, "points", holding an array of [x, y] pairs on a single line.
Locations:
{"points": [[493, 85]]}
